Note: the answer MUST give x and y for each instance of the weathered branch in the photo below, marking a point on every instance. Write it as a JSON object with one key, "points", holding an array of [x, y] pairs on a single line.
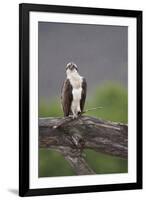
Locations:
{"points": [[71, 137]]}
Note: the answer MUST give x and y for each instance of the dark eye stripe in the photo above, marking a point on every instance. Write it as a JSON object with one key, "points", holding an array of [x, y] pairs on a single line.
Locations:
{"points": [[71, 66]]}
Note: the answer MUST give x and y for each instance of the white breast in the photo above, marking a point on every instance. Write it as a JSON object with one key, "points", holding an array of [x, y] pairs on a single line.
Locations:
{"points": [[76, 83], [77, 94]]}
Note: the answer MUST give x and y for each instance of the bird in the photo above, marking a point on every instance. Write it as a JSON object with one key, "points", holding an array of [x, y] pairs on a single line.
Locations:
{"points": [[73, 92]]}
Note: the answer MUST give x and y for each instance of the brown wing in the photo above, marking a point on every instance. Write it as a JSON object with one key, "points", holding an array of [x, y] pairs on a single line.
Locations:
{"points": [[66, 97], [83, 95]]}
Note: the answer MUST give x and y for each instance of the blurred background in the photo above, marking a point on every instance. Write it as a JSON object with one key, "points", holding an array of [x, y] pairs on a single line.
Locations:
{"points": [[100, 52]]}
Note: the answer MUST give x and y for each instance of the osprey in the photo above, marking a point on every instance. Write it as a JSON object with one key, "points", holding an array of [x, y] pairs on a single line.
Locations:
{"points": [[73, 93]]}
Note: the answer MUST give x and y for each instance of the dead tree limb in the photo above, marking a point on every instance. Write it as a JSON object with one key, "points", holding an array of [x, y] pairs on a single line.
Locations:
{"points": [[71, 136]]}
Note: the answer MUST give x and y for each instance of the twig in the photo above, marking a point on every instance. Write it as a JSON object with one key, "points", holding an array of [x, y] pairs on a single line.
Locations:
{"points": [[92, 109]]}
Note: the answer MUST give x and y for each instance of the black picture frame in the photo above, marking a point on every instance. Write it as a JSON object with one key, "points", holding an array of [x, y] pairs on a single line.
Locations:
{"points": [[24, 10]]}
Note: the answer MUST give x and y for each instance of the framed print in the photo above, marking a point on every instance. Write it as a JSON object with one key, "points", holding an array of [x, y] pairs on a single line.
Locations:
{"points": [[80, 99]]}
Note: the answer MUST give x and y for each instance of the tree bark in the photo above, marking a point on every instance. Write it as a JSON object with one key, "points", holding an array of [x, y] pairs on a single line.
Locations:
{"points": [[71, 136]]}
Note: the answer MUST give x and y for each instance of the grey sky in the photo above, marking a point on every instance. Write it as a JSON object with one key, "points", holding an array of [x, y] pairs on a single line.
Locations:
{"points": [[99, 51]]}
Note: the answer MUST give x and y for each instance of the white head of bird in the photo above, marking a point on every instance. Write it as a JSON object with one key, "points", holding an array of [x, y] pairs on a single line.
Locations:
{"points": [[72, 70]]}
